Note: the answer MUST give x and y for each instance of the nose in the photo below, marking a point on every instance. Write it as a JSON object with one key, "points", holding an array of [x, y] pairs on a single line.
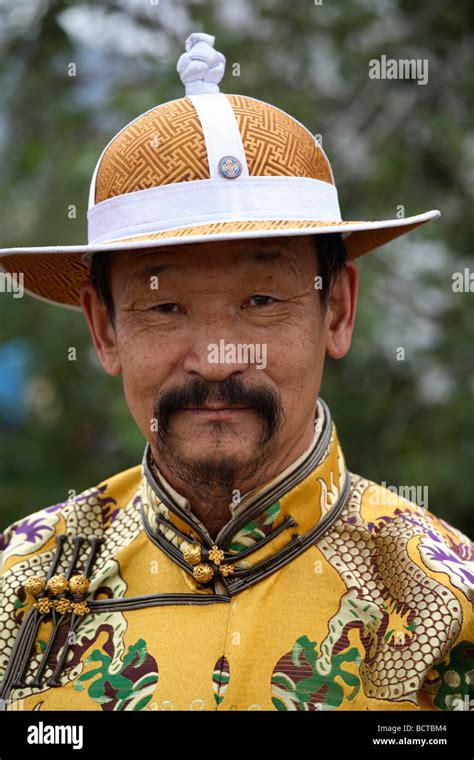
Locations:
{"points": [[215, 361], [217, 351]]}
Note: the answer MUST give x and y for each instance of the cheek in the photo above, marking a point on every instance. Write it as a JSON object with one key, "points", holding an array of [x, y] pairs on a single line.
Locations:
{"points": [[295, 365], [146, 365]]}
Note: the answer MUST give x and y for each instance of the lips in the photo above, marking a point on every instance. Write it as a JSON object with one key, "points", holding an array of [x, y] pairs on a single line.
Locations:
{"points": [[213, 407], [215, 412]]}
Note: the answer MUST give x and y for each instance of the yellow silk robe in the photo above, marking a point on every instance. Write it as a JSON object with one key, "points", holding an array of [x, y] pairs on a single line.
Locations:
{"points": [[322, 592]]}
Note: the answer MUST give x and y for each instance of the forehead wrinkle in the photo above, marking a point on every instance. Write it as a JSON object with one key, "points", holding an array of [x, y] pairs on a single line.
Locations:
{"points": [[264, 256], [253, 257]]}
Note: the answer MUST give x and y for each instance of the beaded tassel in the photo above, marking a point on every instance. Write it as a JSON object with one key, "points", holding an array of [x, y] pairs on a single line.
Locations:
{"points": [[79, 586], [61, 607], [56, 586], [29, 628]]}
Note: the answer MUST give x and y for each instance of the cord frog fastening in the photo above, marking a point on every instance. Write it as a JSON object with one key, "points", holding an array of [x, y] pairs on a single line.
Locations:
{"points": [[203, 571]]}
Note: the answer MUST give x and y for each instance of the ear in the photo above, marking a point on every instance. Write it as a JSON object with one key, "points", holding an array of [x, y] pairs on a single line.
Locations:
{"points": [[341, 311], [101, 329]]}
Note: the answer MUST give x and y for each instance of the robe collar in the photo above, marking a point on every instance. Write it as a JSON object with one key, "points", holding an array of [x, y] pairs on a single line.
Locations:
{"points": [[268, 526]]}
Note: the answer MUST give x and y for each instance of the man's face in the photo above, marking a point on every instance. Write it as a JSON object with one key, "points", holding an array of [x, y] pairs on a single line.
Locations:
{"points": [[221, 346]]}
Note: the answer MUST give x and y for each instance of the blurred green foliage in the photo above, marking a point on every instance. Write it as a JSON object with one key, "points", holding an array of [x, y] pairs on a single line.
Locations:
{"points": [[391, 143]]}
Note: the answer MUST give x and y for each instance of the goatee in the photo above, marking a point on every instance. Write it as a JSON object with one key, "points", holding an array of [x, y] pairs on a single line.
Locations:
{"points": [[217, 475]]}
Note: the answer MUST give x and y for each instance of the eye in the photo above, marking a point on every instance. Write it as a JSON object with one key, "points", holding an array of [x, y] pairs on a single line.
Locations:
{"points": [[164, 308], [261, 300]]}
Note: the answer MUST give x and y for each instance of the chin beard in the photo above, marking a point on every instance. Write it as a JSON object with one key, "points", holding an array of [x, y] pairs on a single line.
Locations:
{"points": [[216, 475]]}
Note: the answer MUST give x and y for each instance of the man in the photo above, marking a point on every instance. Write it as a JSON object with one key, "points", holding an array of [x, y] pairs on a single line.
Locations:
{"points": [[241, 566]]}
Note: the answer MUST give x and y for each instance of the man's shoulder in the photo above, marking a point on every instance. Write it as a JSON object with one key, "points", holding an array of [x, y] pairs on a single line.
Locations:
{"points": [[424, 567], [93, 510], [407, 532], [381, 505]]}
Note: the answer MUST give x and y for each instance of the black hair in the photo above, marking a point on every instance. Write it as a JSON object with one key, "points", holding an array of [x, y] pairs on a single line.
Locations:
{"points": [[100, 277], [331, 256]]}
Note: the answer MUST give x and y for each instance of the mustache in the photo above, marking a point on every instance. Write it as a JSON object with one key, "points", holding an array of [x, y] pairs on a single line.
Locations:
{"points": [[263, 400]]}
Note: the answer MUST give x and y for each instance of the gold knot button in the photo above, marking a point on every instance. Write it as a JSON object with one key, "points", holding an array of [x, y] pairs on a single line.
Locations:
{"points": [[58, 584], [78, 584], [62, 606], [80, 608], [216, 555], [35, 584], [192, 554], [203, 572], [43, 605]]}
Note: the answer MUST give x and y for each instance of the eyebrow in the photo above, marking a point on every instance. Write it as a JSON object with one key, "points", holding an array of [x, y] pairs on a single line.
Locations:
{"points": [[265, 257], [143, 275], [259, 257]]}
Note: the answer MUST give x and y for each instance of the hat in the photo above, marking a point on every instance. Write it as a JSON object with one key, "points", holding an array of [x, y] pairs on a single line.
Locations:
{"points": [[207, 166]]}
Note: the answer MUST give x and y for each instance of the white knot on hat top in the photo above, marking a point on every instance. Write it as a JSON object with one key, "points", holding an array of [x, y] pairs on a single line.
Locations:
{"points": [[206, 166], [201, 68]]}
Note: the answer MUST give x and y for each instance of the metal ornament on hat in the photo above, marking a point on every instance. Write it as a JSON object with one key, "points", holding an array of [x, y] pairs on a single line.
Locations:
{"points": [[230, 167]]}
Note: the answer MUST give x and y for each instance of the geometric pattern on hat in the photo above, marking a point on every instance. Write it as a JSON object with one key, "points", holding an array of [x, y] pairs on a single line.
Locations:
{"points": [[157, 182], [166, 145]]}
